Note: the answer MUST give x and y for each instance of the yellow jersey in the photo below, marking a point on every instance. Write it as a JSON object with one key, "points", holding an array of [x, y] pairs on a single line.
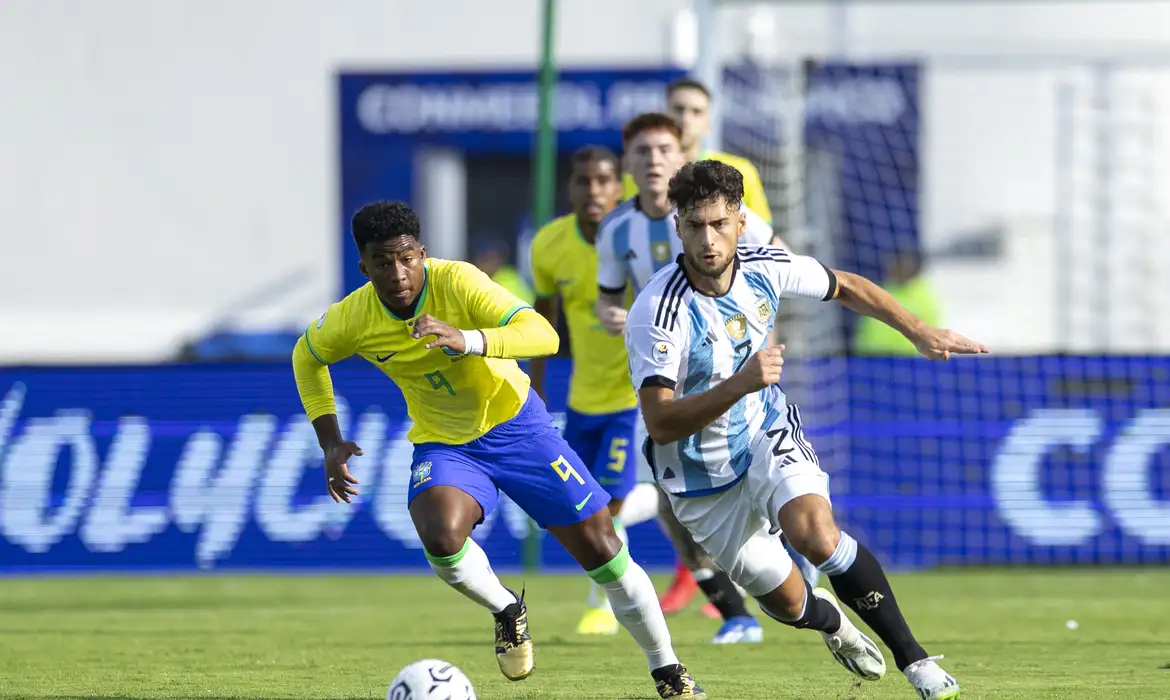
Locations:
{"points": [[753, 187], [564, 263], [452, 399]]}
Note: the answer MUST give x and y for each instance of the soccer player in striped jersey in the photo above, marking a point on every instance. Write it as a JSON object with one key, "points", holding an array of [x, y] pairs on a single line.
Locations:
{"points": [[689, 102], [636, 240], [449, 337], [729, 449], [602, 406]]}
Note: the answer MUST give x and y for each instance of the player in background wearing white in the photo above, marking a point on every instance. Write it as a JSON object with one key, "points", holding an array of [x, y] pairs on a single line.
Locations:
{"points": [[728, 448], [636, 240]]}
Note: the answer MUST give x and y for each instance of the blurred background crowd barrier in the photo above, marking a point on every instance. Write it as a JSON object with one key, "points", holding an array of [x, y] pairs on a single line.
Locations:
{"points": [[178, 179]]}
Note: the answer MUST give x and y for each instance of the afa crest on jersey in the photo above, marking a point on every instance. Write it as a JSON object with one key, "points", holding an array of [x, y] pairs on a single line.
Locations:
{"points": [[420, 474], [763, 311], [660, 250], [737, 326]]}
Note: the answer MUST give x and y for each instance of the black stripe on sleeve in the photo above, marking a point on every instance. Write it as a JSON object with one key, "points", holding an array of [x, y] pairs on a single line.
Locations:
{"points": [[611, 290], [658, 380], [832, 293]]}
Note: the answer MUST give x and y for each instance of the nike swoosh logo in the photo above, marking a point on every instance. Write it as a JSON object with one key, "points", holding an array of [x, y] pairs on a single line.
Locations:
{"points": [[582, 503], [383, 359]]}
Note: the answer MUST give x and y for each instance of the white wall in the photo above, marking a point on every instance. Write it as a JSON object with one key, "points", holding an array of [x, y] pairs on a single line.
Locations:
{"points": [[157, 159]]}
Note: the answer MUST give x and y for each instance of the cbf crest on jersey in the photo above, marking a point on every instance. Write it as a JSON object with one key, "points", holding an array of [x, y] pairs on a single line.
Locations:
{"points": [[660, 250], [737, 326], [763, 311]]}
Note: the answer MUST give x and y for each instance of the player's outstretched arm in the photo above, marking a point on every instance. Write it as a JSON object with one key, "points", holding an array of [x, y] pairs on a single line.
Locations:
{"points": [[866, 298]]}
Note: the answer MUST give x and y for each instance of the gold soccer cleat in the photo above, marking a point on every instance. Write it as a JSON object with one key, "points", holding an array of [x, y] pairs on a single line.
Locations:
{"points": [[513, 644]]}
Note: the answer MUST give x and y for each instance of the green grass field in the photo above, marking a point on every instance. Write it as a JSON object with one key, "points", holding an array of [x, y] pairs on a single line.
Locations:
{"points": [[1003, 633]]}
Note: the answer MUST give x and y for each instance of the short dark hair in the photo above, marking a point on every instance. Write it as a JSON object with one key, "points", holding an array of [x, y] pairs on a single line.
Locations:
{"points": [[704, 181], [378, 222], [686, 84], [601, 154], [650, 121]]}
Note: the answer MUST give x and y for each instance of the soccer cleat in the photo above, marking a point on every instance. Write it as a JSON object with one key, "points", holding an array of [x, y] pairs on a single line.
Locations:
{"points": [[739, 630], [674, 682], [681, 590], [850, 647], [513, 644], [709, 610], [598, 621], [931, 682]]}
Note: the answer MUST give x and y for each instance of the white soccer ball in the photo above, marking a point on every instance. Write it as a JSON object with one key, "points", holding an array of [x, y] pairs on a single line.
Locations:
{"points": [[430, 679]]}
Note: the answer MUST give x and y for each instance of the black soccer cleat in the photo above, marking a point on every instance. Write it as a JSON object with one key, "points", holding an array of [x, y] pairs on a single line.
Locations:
{"points": [[674, 682], [513, 644]]}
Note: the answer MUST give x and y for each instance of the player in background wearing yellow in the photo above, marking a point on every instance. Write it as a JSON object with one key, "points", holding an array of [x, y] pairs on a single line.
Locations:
{"points": [[602, 407], [689, 102], [449, 337]]}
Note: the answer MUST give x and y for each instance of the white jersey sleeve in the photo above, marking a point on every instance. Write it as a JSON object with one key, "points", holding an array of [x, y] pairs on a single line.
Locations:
{"points": [[655, 338], [611, 274], [791, 275], [757, 231]]}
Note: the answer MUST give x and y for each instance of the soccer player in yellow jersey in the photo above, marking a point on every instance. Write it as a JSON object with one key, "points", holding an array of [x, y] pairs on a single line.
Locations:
{"points": [[603, 410], [689, 102], [449, 337]]}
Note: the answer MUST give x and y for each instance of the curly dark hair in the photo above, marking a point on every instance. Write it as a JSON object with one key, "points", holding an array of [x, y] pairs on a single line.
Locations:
{"points": [[704, 181], [378, 222]]}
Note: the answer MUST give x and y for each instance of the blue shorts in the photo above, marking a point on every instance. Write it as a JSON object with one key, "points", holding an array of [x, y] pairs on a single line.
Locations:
{"points": [[606, 445], [526, 458]]}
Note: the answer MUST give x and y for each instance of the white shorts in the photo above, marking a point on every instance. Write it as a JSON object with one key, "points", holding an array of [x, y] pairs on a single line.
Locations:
{"points": [[740, 527]]}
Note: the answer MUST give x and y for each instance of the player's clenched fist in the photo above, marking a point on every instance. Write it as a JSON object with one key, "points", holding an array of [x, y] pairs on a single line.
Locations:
{"points": [[763, 369], [446, 335], [337, 477], [613, 318]]}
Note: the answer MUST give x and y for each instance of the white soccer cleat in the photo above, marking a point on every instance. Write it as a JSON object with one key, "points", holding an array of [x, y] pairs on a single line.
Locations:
{"points": [[850, 647], [931, 682]]}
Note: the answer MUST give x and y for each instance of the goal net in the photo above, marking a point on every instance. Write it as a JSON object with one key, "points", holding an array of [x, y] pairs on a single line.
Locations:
{"points": [[1036, 459]]}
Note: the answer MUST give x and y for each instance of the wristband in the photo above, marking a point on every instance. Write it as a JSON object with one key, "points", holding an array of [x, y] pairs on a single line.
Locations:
{"points": [[474, 342]]}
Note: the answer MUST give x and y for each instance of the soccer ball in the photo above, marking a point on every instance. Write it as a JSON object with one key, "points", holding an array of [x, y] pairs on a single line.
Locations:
{"points": [[430, 679]]}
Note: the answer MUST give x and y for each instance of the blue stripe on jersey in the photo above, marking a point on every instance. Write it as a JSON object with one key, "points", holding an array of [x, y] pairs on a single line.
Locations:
{"points": [[660, 234], [700, 364], [762, 287], [621, 246], [738, 440], [764, 290]]}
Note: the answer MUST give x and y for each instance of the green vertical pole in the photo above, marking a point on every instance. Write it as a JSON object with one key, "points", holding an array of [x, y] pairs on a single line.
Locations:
{"points": [[544, 169]]}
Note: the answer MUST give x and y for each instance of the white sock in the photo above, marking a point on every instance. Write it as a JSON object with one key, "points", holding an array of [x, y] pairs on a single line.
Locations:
{"points": [[640, 505], [635, 603], [469, 572], [597, 599]]}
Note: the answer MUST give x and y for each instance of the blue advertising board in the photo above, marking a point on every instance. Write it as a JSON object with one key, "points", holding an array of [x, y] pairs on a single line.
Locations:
{"points": [[990, 461]]}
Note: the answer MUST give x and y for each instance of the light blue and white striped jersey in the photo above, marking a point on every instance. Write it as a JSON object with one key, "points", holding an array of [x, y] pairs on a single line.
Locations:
{"points": [[631, 246], [684, 340]]}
